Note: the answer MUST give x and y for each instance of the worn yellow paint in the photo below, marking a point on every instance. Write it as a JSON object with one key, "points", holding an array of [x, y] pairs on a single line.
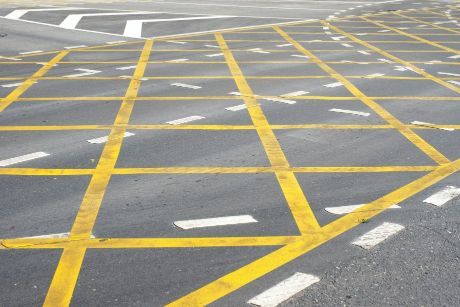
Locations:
{"points": [[387, 116], [428, 23], [21, 89], [301, 211], [66, 274], [45, 172]]}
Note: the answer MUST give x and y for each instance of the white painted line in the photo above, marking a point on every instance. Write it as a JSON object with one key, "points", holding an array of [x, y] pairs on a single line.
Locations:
{"points": [[442, 197], [364, 52], [457, 56], [281, 100], [361, 34], [448, 74], [377, 235], [325, 28], [85, 72], [454, 82], [104, 139], [193, 87], [176, 42], [235, 93], [17, 14], [217, 221], [237, 108], [75, 47], [62, 235], [328, 32], [115, 42], [24, 158], [335, 84], [284, 45], [214, 55], [337, 38], [31, 52], [386, 61], [185, 120], [126, 67], [71, 21], [347, 45], [383, 31], [10, 58], [430, 125], [212, 46], [132, 77], [350, 112], [298, 93], [347, 209], [432, 62], [300, 56], [178, 60], [12, 85], [284, 290], [257, 50], [375, 75], [133, 28]]}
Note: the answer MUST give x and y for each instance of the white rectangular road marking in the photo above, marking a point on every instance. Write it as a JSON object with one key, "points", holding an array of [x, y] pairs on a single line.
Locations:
{"points": [[85, 72], [31, 52], [257, 50], [126, 67], [281, 100], [23, 158], [12, 84], [300, 56], [115, 42], [10, 58], [443, 196], [104, 139], [347, 209], [184, 120], [377, 235], [72, 20], [335, 84], [284, 290], [448, 74], [75, 47], [347, 45], [176, 42], [131, 77], [193, 87], [298, 93], [375, 75], [237, 108], [337, 38], [17, 14], [214, 55], [217, 221], [454, 82], [350, 112], [415, 122], [364, 52], [62, 235], [212, 46], [283, 45], [457, 56], [178, 60], [385, 61]]}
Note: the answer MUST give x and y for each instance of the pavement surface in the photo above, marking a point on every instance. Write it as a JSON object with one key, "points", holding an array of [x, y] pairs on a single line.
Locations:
{"points": [[180, 153]]}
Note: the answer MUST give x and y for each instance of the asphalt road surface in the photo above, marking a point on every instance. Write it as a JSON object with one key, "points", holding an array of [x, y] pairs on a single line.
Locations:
{"points": [[229, 153]]}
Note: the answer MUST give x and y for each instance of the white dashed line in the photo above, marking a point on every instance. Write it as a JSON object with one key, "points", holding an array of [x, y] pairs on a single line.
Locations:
{"points": [[347, 209], [31, 52], [257, 50], [377, 235], [361, 34], [350, 112], [115, 42], [335, 84], [214, 55], [217, 221], [185, 120], [176, 42], [75, 47], [300, 56], [10, 58], [430, 125], [12, 84], [284, 45], [298, 93], [457, 56], [178, 60], [85, 72], [383, 31], [193, 87], [104, 139], [284, 290], [347, 45], [386, 61], [375, 75], [454, 82], [281, 100], [237, 108], [364, 52], [24, 158], [62, 235], [132, 77], [126, 67], [212, 46], [442, 197], [337, 38]]}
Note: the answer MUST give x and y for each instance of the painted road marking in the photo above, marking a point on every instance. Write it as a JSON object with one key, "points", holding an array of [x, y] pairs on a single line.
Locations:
{"points": [[217, 221], [193, 87], [364, 52], [12, 84], [212, 46], [104, 139], [448, 74], [283, 45], [377, 235], [298, 93], [85, 72], [442, 197], [176, 42], [75, 47], [214, 55], [454, 82], [126, 67], [24, 158], [31, 52], [286, 101], [337, 38], [386, 61], [62, 235], [131, 77], [415, 122], [300, 56], [335, 84], [347, 45], [115, 42], [185, 120], [178, 60], [284, 290], [237, 108], [71, 21], [350, 208], [457, 56], [10, 58], [350, 112], [257, 50], [375, 75], [17, 14]]}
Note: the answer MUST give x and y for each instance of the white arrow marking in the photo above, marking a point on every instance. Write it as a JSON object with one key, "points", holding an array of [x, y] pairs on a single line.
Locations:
{"points": [[134, 27], [71, 21], [85, 72]]}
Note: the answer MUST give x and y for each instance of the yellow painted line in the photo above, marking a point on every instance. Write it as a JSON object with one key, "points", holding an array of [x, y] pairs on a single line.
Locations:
{"points": [[55, 128], [428, 23], [396, 59], [384, 114], [21, 89], [134, 243], [66, 274], [45, 172], [298, 203], [248, 273], [413, 36]]}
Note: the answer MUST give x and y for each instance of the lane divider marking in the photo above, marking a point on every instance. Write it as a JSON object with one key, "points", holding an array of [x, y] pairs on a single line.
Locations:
{"points": [[62, 235], [216, 221], [448, 74], [237, 108], [31, 52], [24, 158], [75, 47], [350, 112], [126, 67], [442, 197], [104, 139], [418, 123], [214, 55], [193, 87], [334, 84], [185, 120], [377, 235], [350, 208], [85, 72]]}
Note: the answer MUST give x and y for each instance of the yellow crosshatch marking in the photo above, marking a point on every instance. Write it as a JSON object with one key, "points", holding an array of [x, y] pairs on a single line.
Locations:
{"points": [[310, 233]]}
